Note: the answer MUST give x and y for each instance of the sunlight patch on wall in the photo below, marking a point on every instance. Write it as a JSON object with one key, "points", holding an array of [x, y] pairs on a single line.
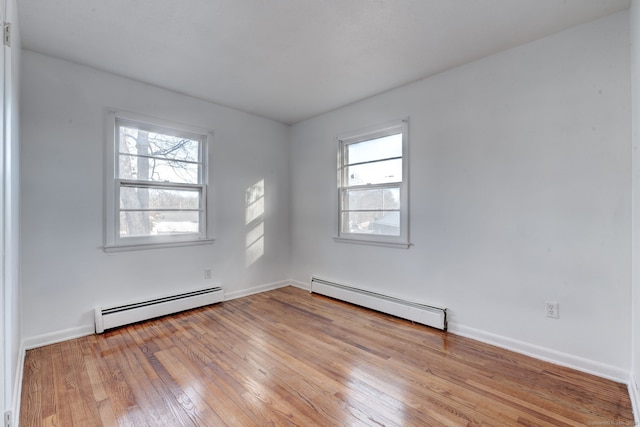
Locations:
{"points": [[254, 219]]}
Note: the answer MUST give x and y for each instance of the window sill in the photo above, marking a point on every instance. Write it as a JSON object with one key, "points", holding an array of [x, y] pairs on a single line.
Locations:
{"points": [[397, 245], [164, 245]]}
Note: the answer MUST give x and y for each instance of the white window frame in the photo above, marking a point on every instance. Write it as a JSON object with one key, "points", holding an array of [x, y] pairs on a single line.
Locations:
{"points": [[113, 241], [386, 129]]}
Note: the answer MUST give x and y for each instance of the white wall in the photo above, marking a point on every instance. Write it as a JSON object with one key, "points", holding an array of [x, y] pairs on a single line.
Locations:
{"points": [[65, 271], [520, 193]]}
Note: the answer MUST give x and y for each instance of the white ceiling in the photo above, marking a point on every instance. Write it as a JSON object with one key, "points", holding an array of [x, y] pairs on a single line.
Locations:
{"points": [[289, 60]]}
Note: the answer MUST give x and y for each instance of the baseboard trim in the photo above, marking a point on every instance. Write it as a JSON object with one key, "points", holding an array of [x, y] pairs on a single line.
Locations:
{"points": [[58, 336], [548, 355], [302, 285], [634, 395], [256, 290]]}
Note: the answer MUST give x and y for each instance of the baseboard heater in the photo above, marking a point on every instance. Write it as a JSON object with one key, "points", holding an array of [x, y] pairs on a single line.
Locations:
{"points": [[435, 317], [112, 317]]}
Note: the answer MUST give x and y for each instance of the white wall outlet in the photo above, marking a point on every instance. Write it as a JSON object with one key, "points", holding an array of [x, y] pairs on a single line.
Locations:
{"points": [[207, 274], [552, 309], [8, 419]]}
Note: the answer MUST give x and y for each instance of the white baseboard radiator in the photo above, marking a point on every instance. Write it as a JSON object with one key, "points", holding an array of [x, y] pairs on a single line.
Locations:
{"points": [[436, 317], [112, 317]]}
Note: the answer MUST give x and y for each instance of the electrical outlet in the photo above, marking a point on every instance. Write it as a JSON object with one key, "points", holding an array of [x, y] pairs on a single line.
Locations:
{"points": [[207, 274], [552, 309], [8, 422]]}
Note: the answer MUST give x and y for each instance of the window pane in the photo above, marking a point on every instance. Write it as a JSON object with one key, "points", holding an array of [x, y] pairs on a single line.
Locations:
{"points": [[374, 149], [148, 169], [158, 198], [145, 143], [152, 223], [375, 173], [382, 223], [376, 199]]}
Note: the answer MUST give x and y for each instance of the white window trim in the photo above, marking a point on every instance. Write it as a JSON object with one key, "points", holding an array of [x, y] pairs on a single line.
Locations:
{"points": [[112, 239], [373, 132]]}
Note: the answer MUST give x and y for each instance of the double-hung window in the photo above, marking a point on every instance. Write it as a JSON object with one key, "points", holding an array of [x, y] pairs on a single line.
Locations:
{"points": [[156, 193], [373, 205]]}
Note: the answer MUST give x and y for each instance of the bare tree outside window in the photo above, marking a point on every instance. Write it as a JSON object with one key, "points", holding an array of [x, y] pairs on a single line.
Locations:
{"points": [[157, 188], [155, 170]]}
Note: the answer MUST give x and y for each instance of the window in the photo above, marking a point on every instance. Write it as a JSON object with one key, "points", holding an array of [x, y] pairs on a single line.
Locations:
{"points": [[156, 184], [373, 186]]}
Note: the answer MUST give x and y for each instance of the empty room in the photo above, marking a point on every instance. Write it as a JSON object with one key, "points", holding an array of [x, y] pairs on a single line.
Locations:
{"points": [[331, 213]]}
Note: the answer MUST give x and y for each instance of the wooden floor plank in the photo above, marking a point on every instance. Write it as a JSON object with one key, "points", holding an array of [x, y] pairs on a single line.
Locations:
{"points": [[289, 358], [33, 371], [85, 411]]}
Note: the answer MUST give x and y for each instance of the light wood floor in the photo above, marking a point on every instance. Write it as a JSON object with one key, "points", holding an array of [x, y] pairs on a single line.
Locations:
{"points": [[286, 357]]}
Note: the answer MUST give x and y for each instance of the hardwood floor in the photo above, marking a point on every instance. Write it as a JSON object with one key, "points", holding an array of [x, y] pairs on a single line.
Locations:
{"points": [[288, 358]]}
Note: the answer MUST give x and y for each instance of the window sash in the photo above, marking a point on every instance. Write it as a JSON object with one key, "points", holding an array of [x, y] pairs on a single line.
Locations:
{"points": [[384, 150], [345, 208], [200, 189], [371, 189], [160, 130]]}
